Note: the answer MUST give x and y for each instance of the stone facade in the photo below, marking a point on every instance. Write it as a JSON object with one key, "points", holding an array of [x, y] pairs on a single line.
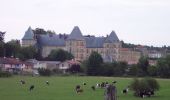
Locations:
{"points": [[81, 46]]}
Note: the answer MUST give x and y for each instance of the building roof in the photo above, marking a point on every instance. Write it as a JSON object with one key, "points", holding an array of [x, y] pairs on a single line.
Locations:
{"points": [[76, 34], [94, 42], [60, 39], [10, 61], [29, 34], [52, 40], [112, 38]]}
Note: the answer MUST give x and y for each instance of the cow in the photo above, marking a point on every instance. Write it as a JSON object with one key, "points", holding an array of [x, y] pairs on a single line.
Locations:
{"points": [[31, 87], [22, 82], [78, 89], [93, 88], [47, 82]]}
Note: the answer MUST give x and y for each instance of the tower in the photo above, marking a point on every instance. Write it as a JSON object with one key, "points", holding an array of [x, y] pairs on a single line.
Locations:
{"points": [[111, 47], [76, 45], [29, 38]]}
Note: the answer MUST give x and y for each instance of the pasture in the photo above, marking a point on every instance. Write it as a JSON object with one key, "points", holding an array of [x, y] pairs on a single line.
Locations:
{"points": [[63, 88]]}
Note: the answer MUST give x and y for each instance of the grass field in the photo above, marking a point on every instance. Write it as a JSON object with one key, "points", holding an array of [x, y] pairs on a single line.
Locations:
{"points": [[62, 88]]}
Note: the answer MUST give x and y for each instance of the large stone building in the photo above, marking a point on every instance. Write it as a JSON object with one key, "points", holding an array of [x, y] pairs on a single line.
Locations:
{"points": [[81, 46]]}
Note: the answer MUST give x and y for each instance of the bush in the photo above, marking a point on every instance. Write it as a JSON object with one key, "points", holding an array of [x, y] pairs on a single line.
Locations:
{"points": [[5, 74], [44, 72], [146, 85]]}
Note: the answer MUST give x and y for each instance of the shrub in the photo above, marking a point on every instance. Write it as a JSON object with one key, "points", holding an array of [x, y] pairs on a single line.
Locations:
{"points": [[146, 85], [5, 74], [44, 72]]}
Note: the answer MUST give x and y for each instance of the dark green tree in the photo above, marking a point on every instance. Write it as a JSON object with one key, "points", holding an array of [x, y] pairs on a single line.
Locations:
{"points": [[12, 48], [27, 53], [2, 34], [2, 49], [39, 31], [152, 70], [143, 64], [94, 63], [164, 67], [59, 55]]}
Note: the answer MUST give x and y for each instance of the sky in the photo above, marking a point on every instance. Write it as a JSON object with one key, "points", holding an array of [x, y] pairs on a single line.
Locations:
{"points": [[145, 22]]}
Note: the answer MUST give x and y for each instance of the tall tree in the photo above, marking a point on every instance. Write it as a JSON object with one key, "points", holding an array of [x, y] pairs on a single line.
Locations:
{"points": [[12, 48], [143, 64], [164, 67], [94, 63], [27, 53], [2, 34], [2, 49]]}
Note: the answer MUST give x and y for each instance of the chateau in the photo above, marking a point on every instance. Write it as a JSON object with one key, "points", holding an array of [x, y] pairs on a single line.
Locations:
{"points": [[110, 47]]}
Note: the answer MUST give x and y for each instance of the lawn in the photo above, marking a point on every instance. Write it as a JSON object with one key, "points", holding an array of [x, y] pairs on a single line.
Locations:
{"points": [[63, 88]]}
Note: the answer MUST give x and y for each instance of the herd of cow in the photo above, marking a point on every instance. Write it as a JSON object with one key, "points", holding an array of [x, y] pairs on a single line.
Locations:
{"points": [[79, 89]]}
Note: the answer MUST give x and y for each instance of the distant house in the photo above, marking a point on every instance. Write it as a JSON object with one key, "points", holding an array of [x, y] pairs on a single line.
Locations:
{"points": [[14, 65], [52, 65]]}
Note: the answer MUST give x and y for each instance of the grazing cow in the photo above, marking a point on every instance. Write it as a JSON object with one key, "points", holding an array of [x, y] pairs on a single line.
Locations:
{"points": [[93, 88], [125, 90], [31, 87], [47, 82], [84, 83], [114, 82], [97, 85], [22, 82], [78, 89]]}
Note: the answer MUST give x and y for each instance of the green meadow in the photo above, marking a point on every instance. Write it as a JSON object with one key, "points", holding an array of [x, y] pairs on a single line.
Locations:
{"points": [[63, 88]]}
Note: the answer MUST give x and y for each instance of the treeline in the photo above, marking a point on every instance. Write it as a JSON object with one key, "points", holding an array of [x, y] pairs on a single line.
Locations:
{"points": [[14, 49], [96, 67]]}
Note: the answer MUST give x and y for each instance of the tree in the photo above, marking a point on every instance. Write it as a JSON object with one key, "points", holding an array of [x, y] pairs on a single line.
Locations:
{"points": [[164, 67], [133, 70], [120, 69], [39, 31], [2, 44], [143, 64], [2, 34], [75, 68], [2, 49], [93, 63], [59, 55], [27, 53], [152, 70], [12, 48], [44, 72]]}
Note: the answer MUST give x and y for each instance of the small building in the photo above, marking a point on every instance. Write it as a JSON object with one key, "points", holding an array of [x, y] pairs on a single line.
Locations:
{"points": [[14, 65]]}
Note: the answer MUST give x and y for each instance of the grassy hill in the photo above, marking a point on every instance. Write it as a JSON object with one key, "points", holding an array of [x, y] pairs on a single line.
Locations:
{"points": [[63, 88]]}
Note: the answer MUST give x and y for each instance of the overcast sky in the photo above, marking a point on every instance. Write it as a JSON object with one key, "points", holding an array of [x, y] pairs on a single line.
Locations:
{"points": [[135, 21]]}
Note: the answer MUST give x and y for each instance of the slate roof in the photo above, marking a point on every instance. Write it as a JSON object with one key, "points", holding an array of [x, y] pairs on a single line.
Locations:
{"points": [[59, 40], [76, 34], [112, 38], [94, 42], [54, 40], [29, 35]]}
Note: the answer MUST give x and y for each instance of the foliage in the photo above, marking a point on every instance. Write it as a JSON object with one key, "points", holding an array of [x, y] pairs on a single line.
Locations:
{"points": [[44, 72], [164, 67], [75, 68], [59, 55], [2, 49], [5, 74], [12, 48], [152, 70], [144, 85], [143, 64], [27, 53], [2, 34], [133, 70], [94, 63]]}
